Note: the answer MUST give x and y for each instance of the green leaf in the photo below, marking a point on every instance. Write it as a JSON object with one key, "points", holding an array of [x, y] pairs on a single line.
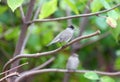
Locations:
{"points": [[116, 31], [96, 5], [112, 13], [106, 79], [48, 8], [117, 63], [14, 4], [91, 75], [11, 33], [72, 6], [3, 9]]}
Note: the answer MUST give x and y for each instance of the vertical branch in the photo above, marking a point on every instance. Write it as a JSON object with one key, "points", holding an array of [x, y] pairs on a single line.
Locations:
{"points": [[32, 25], [24, 28], [83, 24], [69, 22], [68, 13], [18, 48]]}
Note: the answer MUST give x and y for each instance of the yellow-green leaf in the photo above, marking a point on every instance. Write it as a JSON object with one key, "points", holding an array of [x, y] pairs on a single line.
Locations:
{"points": [[91, 75], [72, 6], [96, 5], [14, 4], [116, 31], [48, 8], [106, 79]]}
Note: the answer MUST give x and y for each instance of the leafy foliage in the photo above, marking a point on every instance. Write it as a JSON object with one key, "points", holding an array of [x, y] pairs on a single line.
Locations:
{"points": [[102, 54]]}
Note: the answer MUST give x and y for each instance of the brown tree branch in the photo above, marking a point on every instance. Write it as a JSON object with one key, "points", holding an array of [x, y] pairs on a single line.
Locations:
{"points": [[34, 72], [49, 52], [74, 16]]}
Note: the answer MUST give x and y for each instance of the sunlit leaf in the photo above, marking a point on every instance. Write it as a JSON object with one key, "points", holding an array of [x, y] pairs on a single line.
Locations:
{"points": [[3, 9], [48, 8], [112, 13], [14, 4], [72, 6], [117, 63], [106, 79], [91, 75], [96, 5]]}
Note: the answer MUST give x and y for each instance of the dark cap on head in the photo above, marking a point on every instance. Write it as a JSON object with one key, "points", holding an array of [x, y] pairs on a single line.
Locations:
{"points": [[72, 27]]}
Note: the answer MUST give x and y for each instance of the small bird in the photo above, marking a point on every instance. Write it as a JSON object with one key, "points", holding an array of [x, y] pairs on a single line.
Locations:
{"points": [[63, 36], [73, 62]]}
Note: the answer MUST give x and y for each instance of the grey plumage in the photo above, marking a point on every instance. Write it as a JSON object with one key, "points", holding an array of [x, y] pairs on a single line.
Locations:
{"points": [[63, 36], [73, 62]]}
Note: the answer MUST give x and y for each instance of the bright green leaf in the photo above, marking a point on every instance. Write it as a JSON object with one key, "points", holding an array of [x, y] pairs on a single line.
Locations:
{"points": [[48, 8], [91, 75], [96, 5], [14, 4], [112, 13], [3, 9], [106, 79], [72, 6], [117, 63]]}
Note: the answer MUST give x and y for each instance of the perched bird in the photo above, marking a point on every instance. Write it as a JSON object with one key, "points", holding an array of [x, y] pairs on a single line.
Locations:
{"points": [[63, 36], [73, 62]]}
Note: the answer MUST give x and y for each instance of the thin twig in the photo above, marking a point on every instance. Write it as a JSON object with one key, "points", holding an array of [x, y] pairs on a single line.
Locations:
{"points": [[34, 72], [44, 64], [74, 16], [49, 52], [22, 13], [14, 68], [10, 75]]}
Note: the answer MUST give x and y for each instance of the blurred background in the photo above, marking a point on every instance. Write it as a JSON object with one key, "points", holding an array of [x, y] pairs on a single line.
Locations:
{"points": [[97, 53]]}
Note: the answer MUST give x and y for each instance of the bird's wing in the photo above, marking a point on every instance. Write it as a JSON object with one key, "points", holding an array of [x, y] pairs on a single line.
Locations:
{"points": [[56, 39]]}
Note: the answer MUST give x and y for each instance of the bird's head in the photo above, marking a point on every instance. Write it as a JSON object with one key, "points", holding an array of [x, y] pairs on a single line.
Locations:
{"points": [[71, 26]]}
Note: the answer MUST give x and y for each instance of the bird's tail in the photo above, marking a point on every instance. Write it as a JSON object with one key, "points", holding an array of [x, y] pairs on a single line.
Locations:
{"points": [[54, 41]]}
